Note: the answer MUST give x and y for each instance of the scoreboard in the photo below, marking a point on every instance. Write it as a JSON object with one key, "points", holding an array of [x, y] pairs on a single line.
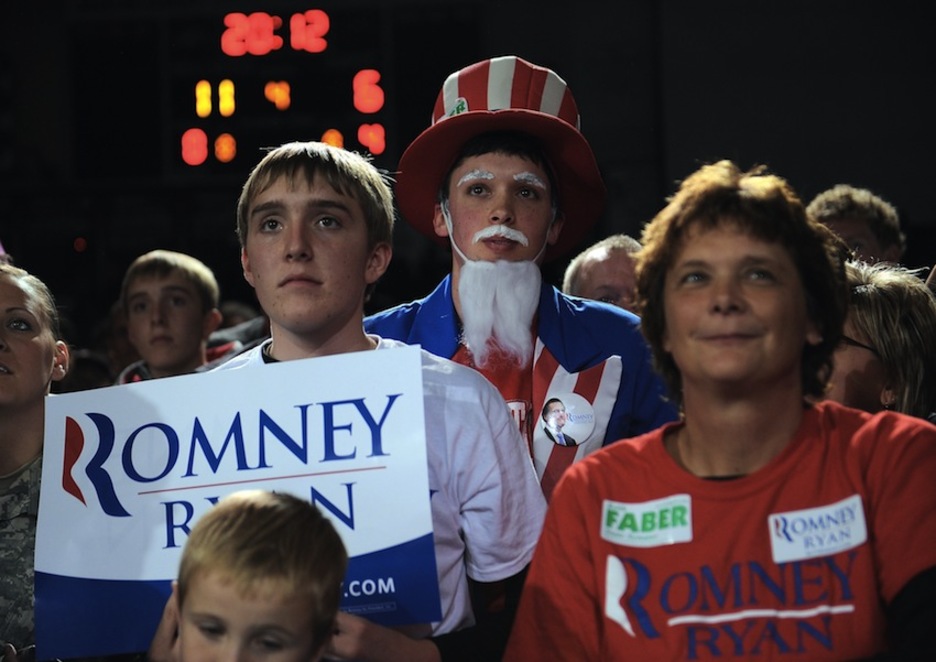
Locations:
{"points": [[245, 80], [186, 94]]}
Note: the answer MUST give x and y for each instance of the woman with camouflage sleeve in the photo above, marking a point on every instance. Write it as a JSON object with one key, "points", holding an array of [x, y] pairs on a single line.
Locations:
{"points": [[31, 358]]}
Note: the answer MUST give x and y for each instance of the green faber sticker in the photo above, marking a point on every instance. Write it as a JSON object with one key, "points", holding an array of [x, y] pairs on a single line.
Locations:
{"points": [[654, 523]]}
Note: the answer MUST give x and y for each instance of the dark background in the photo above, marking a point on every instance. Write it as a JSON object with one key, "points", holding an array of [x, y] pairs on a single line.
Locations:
{"points": [[94, 95]]}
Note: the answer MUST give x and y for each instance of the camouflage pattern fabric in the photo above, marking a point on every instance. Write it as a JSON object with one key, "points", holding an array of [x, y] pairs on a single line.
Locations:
{"points": [[19, 506]]}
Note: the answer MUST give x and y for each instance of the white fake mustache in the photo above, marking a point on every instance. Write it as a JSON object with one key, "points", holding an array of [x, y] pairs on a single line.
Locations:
{"points": [[492, 231]]}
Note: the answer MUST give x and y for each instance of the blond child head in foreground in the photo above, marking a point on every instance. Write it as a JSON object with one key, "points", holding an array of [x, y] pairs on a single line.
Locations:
{"points": [[260, 575]]}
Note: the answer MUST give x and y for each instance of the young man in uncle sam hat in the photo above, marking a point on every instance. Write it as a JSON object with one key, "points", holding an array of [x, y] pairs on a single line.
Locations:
{"points": [[504, 174]]}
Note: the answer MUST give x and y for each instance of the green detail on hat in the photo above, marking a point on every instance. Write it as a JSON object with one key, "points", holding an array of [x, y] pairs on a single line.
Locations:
{"points": [[461, 106]]}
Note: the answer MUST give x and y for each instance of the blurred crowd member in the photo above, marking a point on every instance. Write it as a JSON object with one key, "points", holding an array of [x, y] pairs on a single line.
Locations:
{"points": [[887, 357], [866, 222], [228, 342], [87, 369], [235, 312], [110, 338], [604, 272], [170, 300]]}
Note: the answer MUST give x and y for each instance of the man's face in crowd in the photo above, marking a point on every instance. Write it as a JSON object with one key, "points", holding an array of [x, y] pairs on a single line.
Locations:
{"points": [[306, 254], [608, 275], [501, 209]]}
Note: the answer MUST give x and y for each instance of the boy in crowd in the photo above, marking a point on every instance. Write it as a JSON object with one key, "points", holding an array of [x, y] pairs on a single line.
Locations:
{"points": [[170, 301], [315, 224], [261, 571], [504, 176], [866, 222]]}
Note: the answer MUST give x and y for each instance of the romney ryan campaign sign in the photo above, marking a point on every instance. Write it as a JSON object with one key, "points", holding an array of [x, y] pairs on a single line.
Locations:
{"points": [[127, 470]]}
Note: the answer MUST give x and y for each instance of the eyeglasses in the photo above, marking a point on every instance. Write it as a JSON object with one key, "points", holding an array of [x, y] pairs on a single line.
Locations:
{"points": [[854, 343]]}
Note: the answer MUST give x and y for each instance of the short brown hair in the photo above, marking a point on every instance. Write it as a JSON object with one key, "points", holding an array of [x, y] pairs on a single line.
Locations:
{"points": [[766, 207], [349, 173], [162, 263], [844, 201]]}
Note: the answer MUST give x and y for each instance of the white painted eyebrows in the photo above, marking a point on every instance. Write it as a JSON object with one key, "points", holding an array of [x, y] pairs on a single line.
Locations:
{"points": [[477, 173], [530, 178]]}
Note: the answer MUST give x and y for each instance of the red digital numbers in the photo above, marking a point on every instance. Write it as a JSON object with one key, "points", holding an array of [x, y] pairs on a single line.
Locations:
{"points": [[307, 31], [261, 33], [372, 136], [253, 34], [194, 147], [368, 95]]}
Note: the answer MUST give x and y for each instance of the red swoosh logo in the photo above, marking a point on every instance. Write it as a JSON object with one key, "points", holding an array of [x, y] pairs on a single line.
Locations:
{"points": [[74, 443]]}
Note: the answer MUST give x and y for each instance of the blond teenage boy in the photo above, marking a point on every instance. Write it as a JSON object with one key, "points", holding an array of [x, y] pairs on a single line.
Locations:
{"points": [[315, 224]]}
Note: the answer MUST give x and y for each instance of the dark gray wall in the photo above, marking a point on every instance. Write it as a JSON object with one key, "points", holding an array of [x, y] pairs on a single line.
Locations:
{"points": [[822, 91]]}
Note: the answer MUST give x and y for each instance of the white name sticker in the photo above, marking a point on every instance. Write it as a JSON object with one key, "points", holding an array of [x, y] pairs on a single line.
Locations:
{"points": [[654, 523], [823, 531]]}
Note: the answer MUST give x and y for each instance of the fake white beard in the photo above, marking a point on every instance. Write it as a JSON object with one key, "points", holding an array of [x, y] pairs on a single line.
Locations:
{"points": [[498, 302]]}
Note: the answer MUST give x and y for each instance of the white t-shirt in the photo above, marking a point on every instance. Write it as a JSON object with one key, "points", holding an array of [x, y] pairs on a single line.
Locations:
{"points": [[487, 505]]}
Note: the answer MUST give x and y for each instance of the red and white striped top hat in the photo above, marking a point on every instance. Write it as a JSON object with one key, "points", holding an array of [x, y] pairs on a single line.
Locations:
{"points": [[504, 94]]}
